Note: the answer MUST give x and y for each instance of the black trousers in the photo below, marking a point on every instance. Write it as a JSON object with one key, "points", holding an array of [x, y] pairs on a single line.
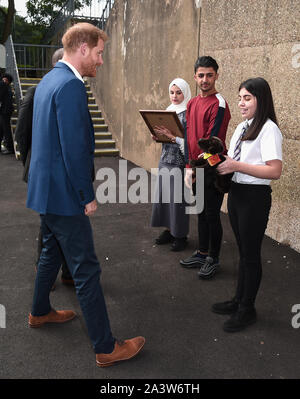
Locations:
{"points": [[210, 231], [5, 132], [248, 208]]}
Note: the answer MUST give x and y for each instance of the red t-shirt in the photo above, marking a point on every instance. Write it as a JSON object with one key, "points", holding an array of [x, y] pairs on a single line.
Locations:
{"points": [[206, 116]]}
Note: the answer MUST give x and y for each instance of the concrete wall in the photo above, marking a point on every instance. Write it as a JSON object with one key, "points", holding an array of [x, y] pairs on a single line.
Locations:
{"points": [[146, 51], [152, 42]]}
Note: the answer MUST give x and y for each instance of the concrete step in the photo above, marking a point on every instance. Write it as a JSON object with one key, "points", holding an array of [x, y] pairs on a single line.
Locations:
{"points": [[96, 114], [97, 128], [106, 152], [105, 143], [102, 136], [30, 80], [26, 86], [93, 107], [97, 121], [100, 128]]}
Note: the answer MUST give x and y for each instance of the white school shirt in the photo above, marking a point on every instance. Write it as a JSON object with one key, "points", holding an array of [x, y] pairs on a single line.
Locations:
{"points": [[266, 147]]}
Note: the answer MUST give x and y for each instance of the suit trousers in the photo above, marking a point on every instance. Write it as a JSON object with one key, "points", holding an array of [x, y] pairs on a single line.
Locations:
{"points": [[248, 209], [73, 234], [64, 267]]}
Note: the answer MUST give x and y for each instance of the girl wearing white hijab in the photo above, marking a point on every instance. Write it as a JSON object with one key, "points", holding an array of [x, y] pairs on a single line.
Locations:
{"points": [[172, 215]]}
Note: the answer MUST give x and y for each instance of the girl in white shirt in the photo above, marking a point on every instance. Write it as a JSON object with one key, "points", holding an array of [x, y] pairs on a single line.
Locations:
{"points": [[255, 157]]}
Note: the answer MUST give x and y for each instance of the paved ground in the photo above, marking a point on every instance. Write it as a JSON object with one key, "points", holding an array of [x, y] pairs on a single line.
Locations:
{"points": [[147, 293]]}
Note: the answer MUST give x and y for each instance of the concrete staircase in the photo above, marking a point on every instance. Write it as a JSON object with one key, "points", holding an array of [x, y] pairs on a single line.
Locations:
{"points": [[104, 143]]}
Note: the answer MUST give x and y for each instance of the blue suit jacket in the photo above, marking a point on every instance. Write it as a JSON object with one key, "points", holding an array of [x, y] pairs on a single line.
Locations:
{"points": [[62, 159]]}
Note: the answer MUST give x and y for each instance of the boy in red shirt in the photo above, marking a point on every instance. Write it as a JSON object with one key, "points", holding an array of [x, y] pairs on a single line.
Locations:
{"points": [[207, 115]]}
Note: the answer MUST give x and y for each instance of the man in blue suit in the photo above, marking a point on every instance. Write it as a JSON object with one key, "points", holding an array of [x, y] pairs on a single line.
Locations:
{"points": [[60, 188]]}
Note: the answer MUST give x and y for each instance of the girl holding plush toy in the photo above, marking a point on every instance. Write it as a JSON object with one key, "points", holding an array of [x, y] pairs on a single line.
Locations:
{"points": [[255, 157]]}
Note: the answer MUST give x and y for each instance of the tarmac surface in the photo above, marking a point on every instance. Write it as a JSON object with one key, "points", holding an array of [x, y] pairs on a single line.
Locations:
{"points": [[147, 293]]}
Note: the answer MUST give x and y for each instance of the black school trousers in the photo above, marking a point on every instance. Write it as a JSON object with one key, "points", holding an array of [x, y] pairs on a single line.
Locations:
{"points": [[248, 208], [210, 231]]}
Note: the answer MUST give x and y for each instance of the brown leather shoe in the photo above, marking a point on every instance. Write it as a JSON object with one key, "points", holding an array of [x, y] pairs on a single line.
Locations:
{"points": [[123, 350], [55, 316]]}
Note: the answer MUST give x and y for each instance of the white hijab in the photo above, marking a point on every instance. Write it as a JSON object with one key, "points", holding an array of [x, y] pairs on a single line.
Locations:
{"points": [[186, 91]]}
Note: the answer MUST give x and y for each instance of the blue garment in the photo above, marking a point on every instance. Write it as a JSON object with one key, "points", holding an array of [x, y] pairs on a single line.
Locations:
{"points": [[61, 165], [67, 232], [59, 186]]}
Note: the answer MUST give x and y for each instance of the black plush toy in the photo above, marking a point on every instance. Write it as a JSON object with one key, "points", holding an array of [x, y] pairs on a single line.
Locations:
{"points": [[212, 156]]}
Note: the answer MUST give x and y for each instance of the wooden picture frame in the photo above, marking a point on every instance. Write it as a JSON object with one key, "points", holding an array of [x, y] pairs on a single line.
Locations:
{"points": [[168, 119]]}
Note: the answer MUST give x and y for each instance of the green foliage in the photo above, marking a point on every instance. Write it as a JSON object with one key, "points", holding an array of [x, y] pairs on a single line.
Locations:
{"points": [[23, 32], [8, 18], [42, 12]]}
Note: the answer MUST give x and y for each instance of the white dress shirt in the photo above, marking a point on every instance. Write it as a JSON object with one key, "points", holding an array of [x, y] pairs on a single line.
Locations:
{"points": [[266, 147], [76, 73]]}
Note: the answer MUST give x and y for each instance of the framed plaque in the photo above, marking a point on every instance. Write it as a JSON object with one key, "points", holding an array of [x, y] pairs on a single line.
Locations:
{"points": [[168, 119]]}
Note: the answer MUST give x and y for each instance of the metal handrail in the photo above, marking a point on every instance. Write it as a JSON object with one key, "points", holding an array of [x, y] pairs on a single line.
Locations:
{"points": [[106, 10], [12, 68], [34, 57]]}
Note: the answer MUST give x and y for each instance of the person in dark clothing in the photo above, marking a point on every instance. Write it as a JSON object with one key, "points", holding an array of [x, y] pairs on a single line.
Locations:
{"points": [[23, 133], [23, 136], [207, 116], [6, 110]]}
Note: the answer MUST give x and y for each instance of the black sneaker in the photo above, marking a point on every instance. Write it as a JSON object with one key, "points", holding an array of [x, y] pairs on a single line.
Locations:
{"points": [[242, 318], [227, 307], [179, 244], [164, 238], [209, 268], [196, 260]]}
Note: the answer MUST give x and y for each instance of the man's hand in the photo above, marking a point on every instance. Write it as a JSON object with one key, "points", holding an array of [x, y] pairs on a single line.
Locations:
{"points": [[188, 178], [90, 208]]}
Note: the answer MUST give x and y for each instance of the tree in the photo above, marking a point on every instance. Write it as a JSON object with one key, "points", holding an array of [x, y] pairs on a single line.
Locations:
{"points": [[8, 15], [42, 12], [22, 31]]}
